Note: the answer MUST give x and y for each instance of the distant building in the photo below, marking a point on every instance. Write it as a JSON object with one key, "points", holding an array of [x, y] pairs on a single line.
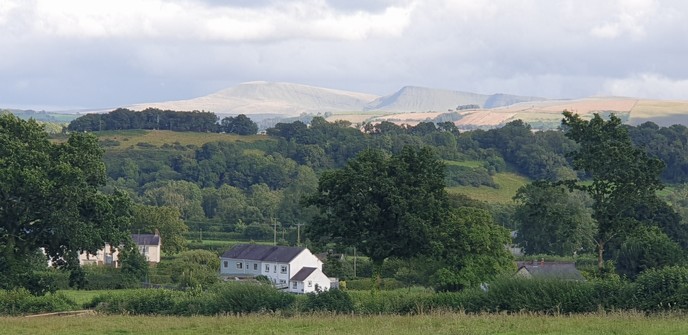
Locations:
{"points": [[149, 245], [292, 269], [549, 270]]}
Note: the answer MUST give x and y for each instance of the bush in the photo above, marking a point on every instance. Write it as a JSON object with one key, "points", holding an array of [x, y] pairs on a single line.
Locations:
{"points": [[139, 302], [21, 301], [238, 297], [333, 300], [662, 289]]}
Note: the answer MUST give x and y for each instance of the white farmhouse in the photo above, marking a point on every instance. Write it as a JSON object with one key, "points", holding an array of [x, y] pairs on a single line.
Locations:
{"points": [[149, 246], [292, 269]]}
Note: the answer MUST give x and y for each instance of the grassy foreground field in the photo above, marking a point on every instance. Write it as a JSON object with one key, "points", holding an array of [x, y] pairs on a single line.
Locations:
{"points": [[440, 323]]}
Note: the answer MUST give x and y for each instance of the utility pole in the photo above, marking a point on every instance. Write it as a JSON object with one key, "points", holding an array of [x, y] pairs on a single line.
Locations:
{"points": [[298, 234], [274, 231], [354, 262]]}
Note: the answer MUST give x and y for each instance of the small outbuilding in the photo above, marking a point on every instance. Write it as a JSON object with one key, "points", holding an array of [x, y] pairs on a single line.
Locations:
{"points": [[549, 270]]}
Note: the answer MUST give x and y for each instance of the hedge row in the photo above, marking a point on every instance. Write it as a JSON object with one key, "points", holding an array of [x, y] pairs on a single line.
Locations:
{"points": [[21, 301], [654, 291]]}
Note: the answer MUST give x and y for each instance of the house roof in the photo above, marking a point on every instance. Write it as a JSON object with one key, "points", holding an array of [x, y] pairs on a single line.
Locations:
{"points": [[303, 274], [146, 239], [552, 270], [266, 253]]}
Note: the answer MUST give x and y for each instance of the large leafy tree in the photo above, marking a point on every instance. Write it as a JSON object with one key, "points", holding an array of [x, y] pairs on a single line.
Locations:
{"points": [[471, 250], [553, 221], [166, 220], [384, 206], [623, 176], [49, 199]]}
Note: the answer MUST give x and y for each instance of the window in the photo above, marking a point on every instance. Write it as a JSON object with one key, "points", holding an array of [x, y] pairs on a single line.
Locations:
{"points": [[226, 264], [255, 266], [240, 265], [310, 283], [274, 269], [284, 269], [267, 267], [294, 284], [282, 281]]}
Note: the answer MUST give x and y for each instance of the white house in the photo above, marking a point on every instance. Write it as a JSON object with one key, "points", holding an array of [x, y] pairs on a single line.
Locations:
{"points": [[149, 246], [293, 269]]}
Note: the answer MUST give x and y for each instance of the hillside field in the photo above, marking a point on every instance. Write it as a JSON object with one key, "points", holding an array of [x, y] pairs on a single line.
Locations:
{"points": [[508, 183], [131, 138]]}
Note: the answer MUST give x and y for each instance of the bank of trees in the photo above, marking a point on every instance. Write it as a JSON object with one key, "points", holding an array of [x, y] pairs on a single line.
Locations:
{"points": [[153, 118], [630, 223], [397, 206], [50, 203]]}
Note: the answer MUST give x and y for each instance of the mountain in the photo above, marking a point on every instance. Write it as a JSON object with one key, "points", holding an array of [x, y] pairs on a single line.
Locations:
{"points": [[272, 101], [422, 99], [259, 97]]}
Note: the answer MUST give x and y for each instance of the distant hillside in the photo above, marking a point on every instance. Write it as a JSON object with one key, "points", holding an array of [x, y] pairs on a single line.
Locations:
{"points": [[421, 99], [270, 102], [260, 97]]}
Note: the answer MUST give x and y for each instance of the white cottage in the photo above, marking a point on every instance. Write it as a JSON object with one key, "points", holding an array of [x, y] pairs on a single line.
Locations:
{"points": [[149, 246], [293, 269]]}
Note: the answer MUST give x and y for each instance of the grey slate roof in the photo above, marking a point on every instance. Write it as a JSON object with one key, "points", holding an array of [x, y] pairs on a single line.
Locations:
{"points": [[146, 239], [552, 270], [266, 253], [303, 274]]}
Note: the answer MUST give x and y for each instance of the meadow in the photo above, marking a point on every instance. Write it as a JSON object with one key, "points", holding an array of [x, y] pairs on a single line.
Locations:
{"points": [[435, 323], [508, 183]]}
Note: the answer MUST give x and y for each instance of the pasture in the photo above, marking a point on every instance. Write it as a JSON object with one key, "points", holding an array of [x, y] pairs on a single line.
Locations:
{"points": [[435, 323], [508, 183]]}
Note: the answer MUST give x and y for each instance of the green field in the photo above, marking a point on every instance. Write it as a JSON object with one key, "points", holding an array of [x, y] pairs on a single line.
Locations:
{"points": [[130, 138], [508, 183], [437, 323]]}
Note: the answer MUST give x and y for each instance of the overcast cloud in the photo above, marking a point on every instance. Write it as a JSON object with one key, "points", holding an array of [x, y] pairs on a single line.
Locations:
{"points": [[90, 53]]}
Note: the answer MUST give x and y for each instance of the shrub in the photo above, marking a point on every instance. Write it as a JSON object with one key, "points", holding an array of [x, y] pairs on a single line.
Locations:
{"points": [[141, 301], [21, 301], [333, 300], [244, 297], [662, 289]]}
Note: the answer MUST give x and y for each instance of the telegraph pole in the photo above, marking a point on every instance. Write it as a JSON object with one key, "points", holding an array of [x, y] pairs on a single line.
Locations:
{"points": [[298, 234]]}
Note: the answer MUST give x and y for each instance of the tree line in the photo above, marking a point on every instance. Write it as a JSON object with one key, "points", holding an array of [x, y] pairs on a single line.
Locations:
{"points": [[153, 118]]}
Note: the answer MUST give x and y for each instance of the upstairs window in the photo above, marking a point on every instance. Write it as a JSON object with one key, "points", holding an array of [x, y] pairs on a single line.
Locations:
{"points": [[283, 269], [255, 266], [240, 265]]}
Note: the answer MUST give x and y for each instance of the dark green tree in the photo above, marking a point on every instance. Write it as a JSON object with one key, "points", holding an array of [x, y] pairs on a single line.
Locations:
{"points": [[49, 199], [472, 249], [384, 206], [553, 221], [647, 248], [623, 176], [166, 220], [240, 125]]}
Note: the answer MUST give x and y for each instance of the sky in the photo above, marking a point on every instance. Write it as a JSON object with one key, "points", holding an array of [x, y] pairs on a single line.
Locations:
{"points": [[109, 53]]}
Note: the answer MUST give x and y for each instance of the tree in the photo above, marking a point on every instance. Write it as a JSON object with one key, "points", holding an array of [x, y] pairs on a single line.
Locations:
{"points": [[647, 248], [623, 176], [384, 206], [472, 248], [553, 221], [240, 125], [166, 220], [49, 199]]}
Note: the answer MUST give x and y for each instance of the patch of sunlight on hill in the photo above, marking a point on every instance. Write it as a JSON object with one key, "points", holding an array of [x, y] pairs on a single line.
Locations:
{"points": [[129, 138], [470, 164], [508, 183]]}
